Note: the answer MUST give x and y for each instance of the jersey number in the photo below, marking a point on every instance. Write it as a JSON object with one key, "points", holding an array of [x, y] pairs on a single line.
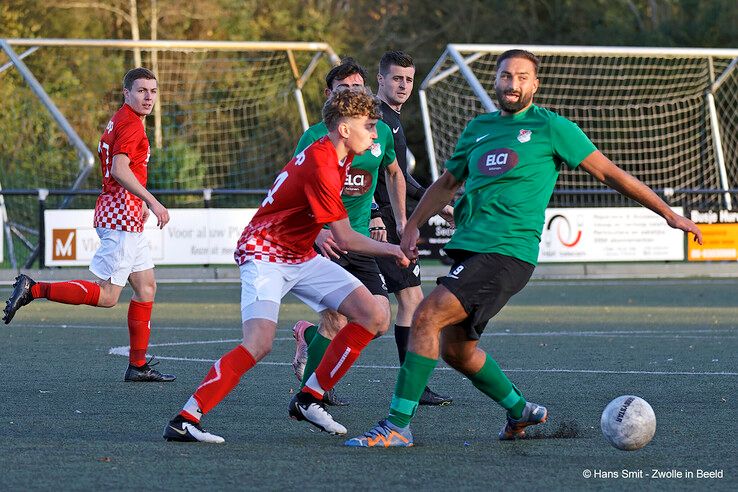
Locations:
{"points": [[277, 183], [104, 150]]}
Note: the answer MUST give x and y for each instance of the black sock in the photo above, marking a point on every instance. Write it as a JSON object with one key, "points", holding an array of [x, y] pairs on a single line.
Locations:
{"points": [[402, 334]]}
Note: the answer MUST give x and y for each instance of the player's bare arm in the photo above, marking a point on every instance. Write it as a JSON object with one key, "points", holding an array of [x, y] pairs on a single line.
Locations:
{"points": [[434, 200], [605, 171], [350, 240], [327, 245], [396, 190], [121, 171]]}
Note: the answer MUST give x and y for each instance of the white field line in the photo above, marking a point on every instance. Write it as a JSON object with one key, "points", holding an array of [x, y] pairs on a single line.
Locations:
{"points": [[123, 351]]}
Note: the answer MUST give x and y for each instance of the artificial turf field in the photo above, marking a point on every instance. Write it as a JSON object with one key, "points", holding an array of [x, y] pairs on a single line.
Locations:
{"points": [[70, 422]]}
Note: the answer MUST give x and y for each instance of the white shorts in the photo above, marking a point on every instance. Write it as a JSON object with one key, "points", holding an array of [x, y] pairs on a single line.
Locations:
{"points": [[318, 282], [120, 254]]}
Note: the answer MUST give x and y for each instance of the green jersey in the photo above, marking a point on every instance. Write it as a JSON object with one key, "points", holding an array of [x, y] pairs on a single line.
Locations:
{"points": [[361, 179], [510, 165]]}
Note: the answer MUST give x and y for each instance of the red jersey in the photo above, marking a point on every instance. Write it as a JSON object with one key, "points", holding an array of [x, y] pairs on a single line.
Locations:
{"points": [[116, 208], [305, 195]]}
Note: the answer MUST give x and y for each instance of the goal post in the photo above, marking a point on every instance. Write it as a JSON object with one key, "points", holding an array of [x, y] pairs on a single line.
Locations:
{"points": [[229, 113], [666, 115]]}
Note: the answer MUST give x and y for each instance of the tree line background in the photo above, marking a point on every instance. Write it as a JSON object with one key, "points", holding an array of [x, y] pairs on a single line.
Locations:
{"points": [[359, 28]]}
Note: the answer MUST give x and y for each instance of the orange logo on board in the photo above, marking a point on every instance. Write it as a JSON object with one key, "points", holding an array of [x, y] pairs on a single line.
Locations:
{"points": [[63, 244]]}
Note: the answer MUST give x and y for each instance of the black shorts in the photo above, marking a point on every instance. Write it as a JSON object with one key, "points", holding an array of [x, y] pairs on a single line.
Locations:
{"points": [[483, 283], [366, 270], [397, 277]]}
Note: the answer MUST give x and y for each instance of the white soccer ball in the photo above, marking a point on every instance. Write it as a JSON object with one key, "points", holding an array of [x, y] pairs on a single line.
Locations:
{"points": [[628, 422]]}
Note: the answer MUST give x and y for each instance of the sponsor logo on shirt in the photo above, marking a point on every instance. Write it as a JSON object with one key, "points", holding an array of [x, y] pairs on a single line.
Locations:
{"points": [[524, 136], [497, 161], [395, 130], [358, 182], [376, 149], [482, 137]]}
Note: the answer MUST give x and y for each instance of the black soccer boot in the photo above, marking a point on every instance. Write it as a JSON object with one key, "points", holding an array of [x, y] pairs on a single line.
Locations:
{"points": [[431, 398], [145, 374], [20, 297], [332, 399]]}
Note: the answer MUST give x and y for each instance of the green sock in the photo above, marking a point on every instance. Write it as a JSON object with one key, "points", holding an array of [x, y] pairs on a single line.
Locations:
{"points": [[491, 381], [411, 382], [310, 333], [316, 349]]}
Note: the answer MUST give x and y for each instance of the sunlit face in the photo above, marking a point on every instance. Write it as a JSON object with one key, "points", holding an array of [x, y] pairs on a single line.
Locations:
{"points": [[353, 82], [142, 96], [359, 133], [515, 84], [396, 85]]}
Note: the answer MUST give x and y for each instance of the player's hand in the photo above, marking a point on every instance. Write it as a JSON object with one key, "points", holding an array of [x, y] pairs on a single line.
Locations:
{"points": [[399, 256], [327, 245], [377, 230], [447, 214], [686, 225], [161, 212], [409, 242], [145, 213]]}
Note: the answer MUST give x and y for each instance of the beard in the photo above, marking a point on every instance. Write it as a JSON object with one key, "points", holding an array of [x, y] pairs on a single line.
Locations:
{"points": [[524, 99]]}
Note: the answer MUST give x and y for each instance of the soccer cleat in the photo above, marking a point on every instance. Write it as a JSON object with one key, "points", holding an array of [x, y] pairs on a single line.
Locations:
{"points": [[431, 398], [20, 297], [145, 374], [305, 406], [330, 398], [515, 429], [181, 430], [385, 434], [301, 349]]}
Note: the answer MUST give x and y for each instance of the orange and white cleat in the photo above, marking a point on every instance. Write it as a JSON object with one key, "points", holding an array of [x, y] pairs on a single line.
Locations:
{"points": [[384, 435], [533, 414]]}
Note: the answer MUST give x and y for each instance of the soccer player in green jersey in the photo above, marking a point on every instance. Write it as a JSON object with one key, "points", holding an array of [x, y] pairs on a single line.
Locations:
{"points": [[358, 190], [509, 161]]}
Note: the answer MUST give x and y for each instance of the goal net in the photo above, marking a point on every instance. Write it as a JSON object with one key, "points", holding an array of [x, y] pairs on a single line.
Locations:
{"points": [[667, 116], [229, 114]]}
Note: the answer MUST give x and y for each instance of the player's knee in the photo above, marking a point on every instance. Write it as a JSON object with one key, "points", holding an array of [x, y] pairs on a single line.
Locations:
{"points": [[147, 292], [423, 318], [106, 302], [410, 299], [108, 296], [377, 318], [258, 350]]}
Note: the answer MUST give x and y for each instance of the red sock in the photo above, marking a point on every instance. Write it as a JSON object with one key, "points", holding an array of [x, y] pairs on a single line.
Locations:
{"points": [[139, 329], [72, 292], [221, 379], [340, 355]]}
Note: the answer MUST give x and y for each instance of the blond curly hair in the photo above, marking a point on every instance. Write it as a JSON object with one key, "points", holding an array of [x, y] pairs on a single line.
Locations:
{"points": [[350, 104]]}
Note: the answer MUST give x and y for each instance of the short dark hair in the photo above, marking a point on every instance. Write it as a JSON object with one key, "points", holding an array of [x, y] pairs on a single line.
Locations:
{"points": [[135, 74], [348, 67], [399, 58], [350, 104], [516, 53]]}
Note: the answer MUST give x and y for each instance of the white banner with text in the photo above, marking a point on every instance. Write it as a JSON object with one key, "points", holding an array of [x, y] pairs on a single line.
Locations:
{"points": [[192, 236], [609, 234]]}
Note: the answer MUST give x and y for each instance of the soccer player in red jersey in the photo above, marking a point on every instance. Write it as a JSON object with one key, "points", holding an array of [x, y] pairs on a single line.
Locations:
{"points": [[121, 210], [276, 256]]}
